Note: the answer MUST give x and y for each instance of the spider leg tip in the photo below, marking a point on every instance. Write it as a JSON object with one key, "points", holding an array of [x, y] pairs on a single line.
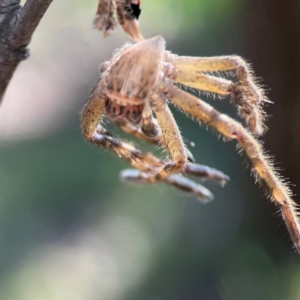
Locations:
{"points": [[130, 175], [205, 199], [203, 194], [224, 181]]}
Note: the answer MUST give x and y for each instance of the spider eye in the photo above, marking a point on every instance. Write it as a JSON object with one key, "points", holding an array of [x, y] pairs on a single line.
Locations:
{"points": [[136, 9]]}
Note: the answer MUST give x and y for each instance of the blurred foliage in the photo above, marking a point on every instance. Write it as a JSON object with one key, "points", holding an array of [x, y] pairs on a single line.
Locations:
{"points": [[70, 230]]}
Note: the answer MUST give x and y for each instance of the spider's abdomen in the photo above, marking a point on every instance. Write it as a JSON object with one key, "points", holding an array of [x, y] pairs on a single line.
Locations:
{"points": [[135, 72], [117, 112]]}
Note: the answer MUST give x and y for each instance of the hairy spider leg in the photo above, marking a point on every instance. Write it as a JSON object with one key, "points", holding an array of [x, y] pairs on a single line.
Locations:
{"points": [[176, 180], [95, 133], [248, 110], [156, 140], [206, 173], [247, 94], [143, 161], [231, 129], [148, 130], [171, 136]]}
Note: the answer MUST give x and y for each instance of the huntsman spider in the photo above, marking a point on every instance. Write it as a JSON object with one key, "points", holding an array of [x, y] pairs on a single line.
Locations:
{"points": [[134, 90]]}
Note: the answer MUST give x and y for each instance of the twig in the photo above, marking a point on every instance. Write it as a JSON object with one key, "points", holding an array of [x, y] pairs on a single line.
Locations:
{"points": [[17, 25]]}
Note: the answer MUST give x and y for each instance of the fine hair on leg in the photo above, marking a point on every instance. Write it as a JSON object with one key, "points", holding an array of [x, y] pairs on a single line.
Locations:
{"points": [[247, 93], [262, 167]]}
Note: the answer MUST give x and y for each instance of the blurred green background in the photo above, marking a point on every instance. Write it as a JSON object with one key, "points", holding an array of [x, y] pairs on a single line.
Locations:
{"points": [[69, 229]]}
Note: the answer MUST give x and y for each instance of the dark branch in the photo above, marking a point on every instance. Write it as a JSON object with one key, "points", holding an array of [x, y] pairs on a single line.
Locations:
{"points": [[17, 25]]}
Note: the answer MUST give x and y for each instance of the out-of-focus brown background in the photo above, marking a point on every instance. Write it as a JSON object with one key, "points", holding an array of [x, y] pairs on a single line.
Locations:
{"points": [[70, 230]]}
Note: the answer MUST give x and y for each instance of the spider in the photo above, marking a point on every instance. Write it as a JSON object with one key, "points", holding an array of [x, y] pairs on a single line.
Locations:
{"points": [[134, 90]]}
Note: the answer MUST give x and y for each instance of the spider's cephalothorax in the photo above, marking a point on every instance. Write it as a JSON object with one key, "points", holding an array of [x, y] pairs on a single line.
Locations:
{"points": [[128, 12], [140, 77]]}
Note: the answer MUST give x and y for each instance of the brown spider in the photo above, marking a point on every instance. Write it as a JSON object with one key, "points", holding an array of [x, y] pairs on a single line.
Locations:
{"points": [[139, 80]]}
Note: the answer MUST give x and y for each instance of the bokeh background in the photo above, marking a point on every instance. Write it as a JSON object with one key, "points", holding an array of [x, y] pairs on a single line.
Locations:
{"points": [[69, 229]]}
